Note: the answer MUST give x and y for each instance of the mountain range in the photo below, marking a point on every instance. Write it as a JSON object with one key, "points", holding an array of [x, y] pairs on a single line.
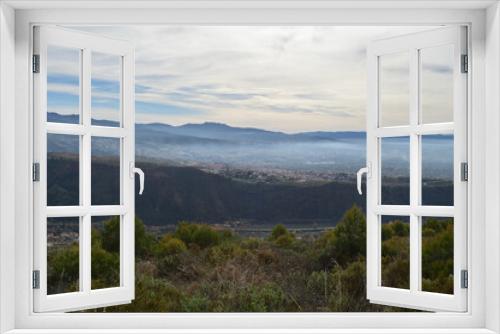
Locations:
{"points": [[216, 144]]}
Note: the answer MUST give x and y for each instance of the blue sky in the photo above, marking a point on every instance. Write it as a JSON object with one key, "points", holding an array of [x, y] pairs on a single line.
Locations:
{"points": [[290, 79]]}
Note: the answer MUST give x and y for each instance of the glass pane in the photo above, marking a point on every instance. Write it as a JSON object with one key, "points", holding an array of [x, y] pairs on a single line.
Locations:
{"points": [[396, 251], [63, 255], [394, 72], [63, 84], [395, 170], [63, 170], [437, 170], [436, 86], [105, 171], [106, 81], [437, 254], [105, 257]]}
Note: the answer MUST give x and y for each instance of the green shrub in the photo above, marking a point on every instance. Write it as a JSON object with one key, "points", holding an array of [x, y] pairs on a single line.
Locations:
{"points": [[105, 268], [285, 240], [63, 268], [169, 245], [278, 231], [250, 243], [281, 236], [152, 295], [205, 236], [200, 234], [110, 235]]}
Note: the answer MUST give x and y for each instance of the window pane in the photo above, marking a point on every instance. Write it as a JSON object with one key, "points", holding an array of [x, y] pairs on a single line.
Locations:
{"points": [[436, 84], [437, 254], [63, 255], [105, 255], [395, 170], [106, 81], [105, 171], [437, 170], [63, 169], [396, 251], [63, 84], [394, 89]]}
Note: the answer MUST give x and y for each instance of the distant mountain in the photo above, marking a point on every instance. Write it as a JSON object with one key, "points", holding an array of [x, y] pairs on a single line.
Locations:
{"points": [[209, 143], [219, 132]]}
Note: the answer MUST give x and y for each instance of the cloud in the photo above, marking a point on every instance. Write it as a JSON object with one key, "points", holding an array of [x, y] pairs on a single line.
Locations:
{"points": [[294, 78]]}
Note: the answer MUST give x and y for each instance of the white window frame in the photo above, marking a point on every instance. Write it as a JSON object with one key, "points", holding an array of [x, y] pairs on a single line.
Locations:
{"points": [[410, 45], [85, 297], [483, 17]]}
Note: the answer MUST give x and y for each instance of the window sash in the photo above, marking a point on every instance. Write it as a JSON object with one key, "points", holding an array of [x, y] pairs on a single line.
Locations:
{"points": [[86, 297], [414, 297]]}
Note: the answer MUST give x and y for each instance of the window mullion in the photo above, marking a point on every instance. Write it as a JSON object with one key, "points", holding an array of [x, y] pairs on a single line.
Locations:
{"points": [[86, 244], [414, 172]]}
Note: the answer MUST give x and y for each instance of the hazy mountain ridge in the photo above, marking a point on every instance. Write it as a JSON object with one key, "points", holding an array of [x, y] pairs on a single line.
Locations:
{"points": [[219, 131], [219, 146]]}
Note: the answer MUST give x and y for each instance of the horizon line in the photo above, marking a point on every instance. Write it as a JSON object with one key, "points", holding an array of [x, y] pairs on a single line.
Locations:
{"points": [[216, 123]]}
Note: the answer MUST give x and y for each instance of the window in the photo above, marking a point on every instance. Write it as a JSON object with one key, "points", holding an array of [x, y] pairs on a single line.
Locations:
{"points": [[67, 198], [481, 235], [404, 73]]}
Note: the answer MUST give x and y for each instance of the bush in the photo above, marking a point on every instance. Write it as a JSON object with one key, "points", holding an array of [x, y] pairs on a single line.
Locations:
{"points": [[437, 256], [278, 231], [319, 286], [285, 240], [205, 236], [105, 267], [200, 234], [144, 242], [349, 290], [281, 236], [63, 268], [154, 295], [169, 245], [184, 231]]}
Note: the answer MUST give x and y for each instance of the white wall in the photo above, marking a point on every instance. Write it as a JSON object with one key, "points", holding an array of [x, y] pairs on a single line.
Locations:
{"points": [[7, 160], [492, 212]]}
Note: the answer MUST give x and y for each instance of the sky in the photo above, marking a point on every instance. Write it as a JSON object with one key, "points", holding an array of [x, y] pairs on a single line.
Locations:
{"points": [[289, 79]]}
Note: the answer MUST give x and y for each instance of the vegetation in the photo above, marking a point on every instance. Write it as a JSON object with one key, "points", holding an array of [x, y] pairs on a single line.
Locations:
{"points": [[200, 268]]}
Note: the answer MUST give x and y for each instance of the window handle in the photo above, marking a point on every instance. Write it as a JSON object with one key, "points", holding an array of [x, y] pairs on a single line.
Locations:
{"points": [[359, 175], [134, 170]]}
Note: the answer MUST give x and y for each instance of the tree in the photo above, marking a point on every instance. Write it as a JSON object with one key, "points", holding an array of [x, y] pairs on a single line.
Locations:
{"points": [[144, 242], [346, 242]]}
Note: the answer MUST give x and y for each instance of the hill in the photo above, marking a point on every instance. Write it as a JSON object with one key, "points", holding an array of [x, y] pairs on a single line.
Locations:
{"points": [[174, 193]]}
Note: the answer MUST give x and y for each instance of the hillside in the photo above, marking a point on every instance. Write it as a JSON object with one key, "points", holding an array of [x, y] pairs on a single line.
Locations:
{"points": [[175, 193]]}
